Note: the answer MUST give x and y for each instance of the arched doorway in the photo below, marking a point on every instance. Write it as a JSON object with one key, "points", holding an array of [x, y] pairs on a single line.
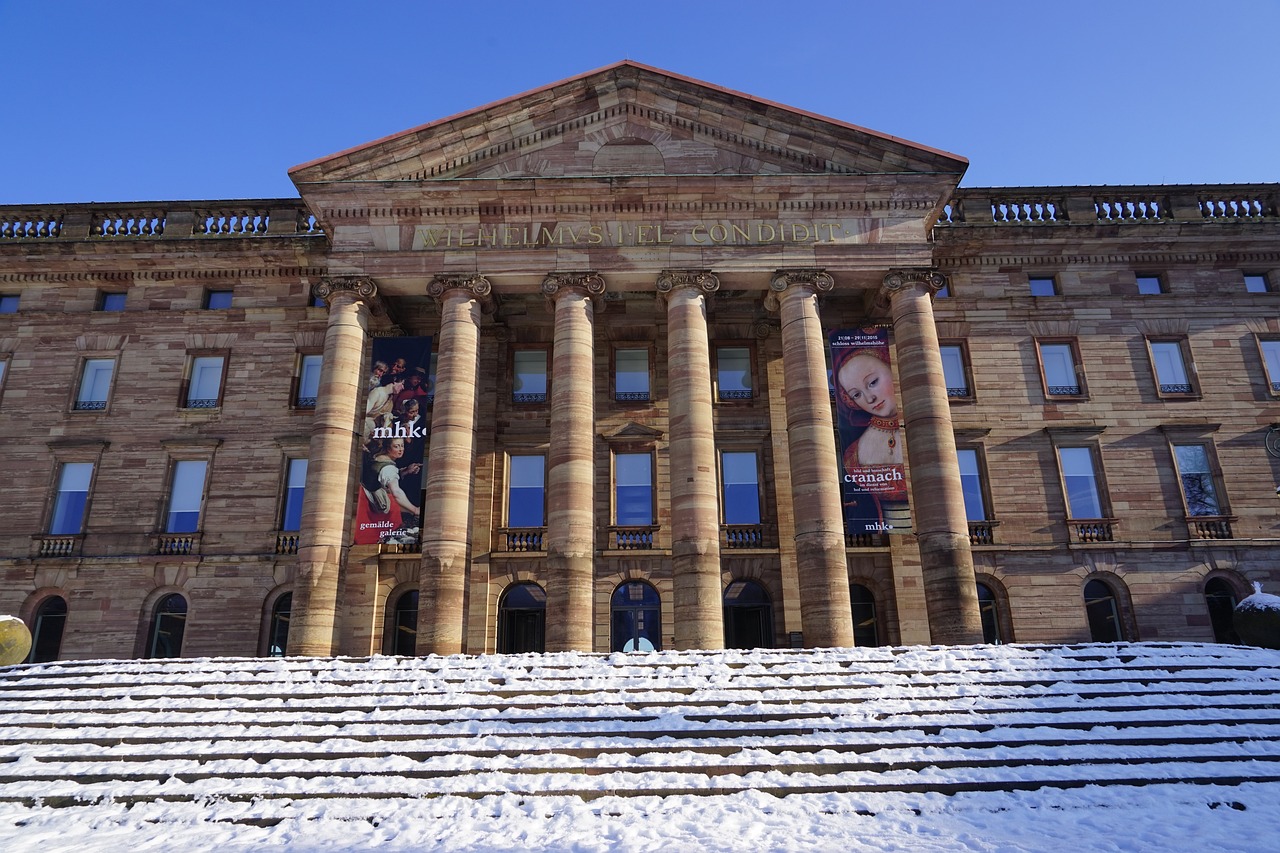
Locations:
{"points": [[866, 632], [1221, 601], [278, 630], [1103, 610], [46, 636], [988, 609], [168, 625], [636, 618], [748, 616], [522, 619], [402, 628]]}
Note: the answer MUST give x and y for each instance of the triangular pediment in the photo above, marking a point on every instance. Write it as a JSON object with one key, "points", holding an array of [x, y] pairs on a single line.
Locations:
{"points": [[628, 119], [633, 431]]}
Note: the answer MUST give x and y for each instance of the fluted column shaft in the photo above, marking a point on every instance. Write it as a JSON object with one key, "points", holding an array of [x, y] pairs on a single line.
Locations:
{"points": [[695, 514], [326, 503], [571, 465], [815, 487], [446, 516], [942, 530]]}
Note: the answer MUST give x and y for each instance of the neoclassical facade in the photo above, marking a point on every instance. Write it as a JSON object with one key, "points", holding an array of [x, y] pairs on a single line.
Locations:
{"points": [[629, 280]]}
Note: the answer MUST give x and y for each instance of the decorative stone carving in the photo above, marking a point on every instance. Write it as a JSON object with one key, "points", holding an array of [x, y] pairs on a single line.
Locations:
{"points": [[591, 283], [899, 280], [820, 280], [477, 285], [358, 286], [669, 280]]}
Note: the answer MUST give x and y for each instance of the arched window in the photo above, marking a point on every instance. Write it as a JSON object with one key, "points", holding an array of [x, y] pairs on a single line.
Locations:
{"points": [[278, 630], [1103, 611], [402, 638], [168, 623], [865, 632], [636, 618], [748, 616], [522, 619], [989, 611], [1221, 600], [46, 638]]}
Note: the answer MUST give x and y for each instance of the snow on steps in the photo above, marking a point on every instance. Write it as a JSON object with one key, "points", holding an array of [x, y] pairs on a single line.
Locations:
{"points": [[280, 734]]}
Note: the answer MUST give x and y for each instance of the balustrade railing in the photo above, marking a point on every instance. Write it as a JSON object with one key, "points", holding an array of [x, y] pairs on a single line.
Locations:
{"points": [[177, 544], [865, 540], [34, 224], [1119, 205], [523, 538], [1210, 527], [1090, 530], [982, 532], [58, 546], [128, 223], [162, 220], [631, 538], [287, 542], [239, 221]]}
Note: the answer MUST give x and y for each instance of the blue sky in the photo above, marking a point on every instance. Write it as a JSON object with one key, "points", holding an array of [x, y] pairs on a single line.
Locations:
{"points": [[152, 100]]}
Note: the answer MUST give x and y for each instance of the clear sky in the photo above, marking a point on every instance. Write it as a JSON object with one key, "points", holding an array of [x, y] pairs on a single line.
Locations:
{"points": [[184, 99]]}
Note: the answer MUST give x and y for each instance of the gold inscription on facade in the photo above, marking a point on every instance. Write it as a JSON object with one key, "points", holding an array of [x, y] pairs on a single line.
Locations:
{"points": [[428, 237]]}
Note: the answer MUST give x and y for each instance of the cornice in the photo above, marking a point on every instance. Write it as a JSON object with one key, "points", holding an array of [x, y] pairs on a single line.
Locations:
{"points": [[116, 276], [1104, 259]]}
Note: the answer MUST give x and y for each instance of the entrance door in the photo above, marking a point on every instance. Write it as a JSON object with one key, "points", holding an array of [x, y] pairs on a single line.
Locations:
{"points": [[636, 618], [522, 619], [748, 616]]}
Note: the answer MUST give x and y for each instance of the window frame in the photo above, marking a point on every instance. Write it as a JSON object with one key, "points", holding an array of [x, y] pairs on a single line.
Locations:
{"points": [[962, 348], [1054, 289], [166, 518], [1099, 479], [154, 625], [760, 495], [56, 498], [296, 400], [1263, 278], [1188, 368], [530, 398], [218, 295], [286, 492], [79, 406], [1143, 283], [10, 303], [979, 452], [106, 301], [1073, 348], [1272, 380], [185, 399], [520, 453], [614, 486], [738, 395], [6, 367], [647, 349]]}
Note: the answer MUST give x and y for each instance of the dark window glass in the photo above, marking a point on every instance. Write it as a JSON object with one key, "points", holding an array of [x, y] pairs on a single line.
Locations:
{"points": [[404, 626], [111, 302], [975, 507], [522, 619], [72, 498], [1042, 286], [95, 384], [748, 616], [1255, 283], [168, 624], [185, 496], [1197, 479], [631, 375], [278, 642], [987, 609], [526, 492], [636, 618], [733, 373], [46, 638], [1104, 613], [295, 491], [530, 383], [217, 299], [865, 630], [633, 481], [1221, 601], [8, 303], [741, 488]]}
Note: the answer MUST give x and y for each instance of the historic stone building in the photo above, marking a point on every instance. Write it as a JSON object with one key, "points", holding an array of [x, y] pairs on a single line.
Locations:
{"points": [[629, 280]]}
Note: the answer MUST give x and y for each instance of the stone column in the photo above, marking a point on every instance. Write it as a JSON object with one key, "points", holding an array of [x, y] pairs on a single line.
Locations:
{"points": [[571, 463], [695, 504], [951, 596], [446, 512], [327, 504], [815, 471]]}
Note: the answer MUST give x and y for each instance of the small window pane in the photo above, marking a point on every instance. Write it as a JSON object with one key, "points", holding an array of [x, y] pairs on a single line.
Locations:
{"points": [[278, 638], [530, 384], [112, 302], [526, 491], [1104, 615], [217, 299], [975, 508], [1059, 369], [953, 370], [1271, 360], [185, 497], [1171, 370], [1150, 285], [168, 624], [1081, 481], [633, 480], [73, 496], [1043, 286], [987, 610], [95, 384], [631, 381], [8, 303], [1197, 479], [309, 381], [741, 488], [295, 491], [46, 637], [865, 631], [1255, 283], [206, 382], [733, 373]]}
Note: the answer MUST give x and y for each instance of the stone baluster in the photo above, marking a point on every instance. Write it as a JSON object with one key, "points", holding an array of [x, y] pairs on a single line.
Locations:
{"points": [[326, 506], [825, 608], [571, 463], [695, 514], [942, 531], [446, 513]]}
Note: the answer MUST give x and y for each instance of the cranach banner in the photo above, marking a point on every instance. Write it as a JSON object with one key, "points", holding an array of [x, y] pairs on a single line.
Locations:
{"points": [[873, 482], [389, 497]]}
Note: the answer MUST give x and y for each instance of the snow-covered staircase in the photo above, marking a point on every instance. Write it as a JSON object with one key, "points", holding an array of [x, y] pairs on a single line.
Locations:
{"points": [[257, 741]]}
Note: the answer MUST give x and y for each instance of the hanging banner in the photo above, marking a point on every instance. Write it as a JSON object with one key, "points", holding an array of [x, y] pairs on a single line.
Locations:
{"points": [[873, 483], [389, 496]]}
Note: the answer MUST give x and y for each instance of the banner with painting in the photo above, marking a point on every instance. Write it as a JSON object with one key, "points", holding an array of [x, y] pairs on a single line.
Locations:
{"points": [[396, 426], [873, 483]]}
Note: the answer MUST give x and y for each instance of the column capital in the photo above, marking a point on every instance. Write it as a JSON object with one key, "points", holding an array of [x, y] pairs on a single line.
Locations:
{"points": [[358, 287], [589, 283], [898, 281], [820, 280], [474, 284], [704, 280]]}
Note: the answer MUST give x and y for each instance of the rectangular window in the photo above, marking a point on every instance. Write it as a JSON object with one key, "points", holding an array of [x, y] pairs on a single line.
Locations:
{"points": [[8, 303], [1195, 473], [204, 388], [530, 383], [1270, 352], [294, 491], [1150, 285], [733, 373], [111, 301], [73, 497], [1043, 285], [1169, 361], [1059, 371], [308, 382], [186, 493], [975, 504], [1256, 283], [631, 375], [217, 300], [95, 384], [1080, 480], [955, 370], [740, 476], [526, 491], [944, 292], [633, 489]]}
